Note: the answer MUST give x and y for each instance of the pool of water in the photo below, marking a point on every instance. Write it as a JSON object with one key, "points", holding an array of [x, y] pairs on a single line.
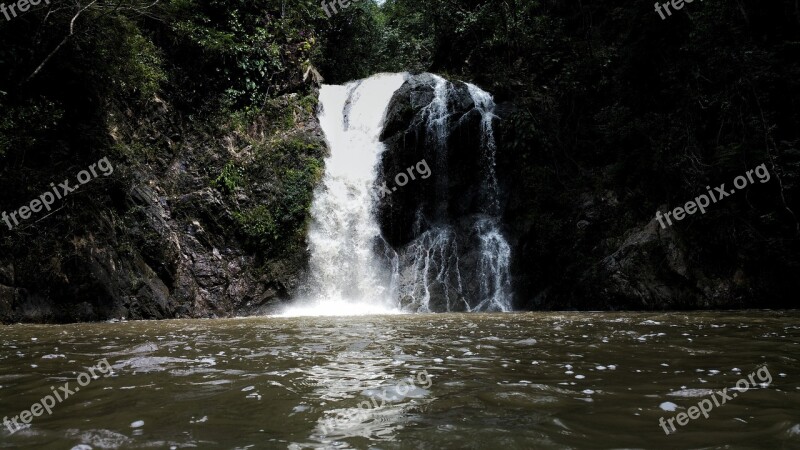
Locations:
{"points": [[434, 381]]}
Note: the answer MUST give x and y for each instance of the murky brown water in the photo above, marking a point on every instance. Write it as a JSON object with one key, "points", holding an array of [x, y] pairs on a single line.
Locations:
{"points": [[447, 381]]}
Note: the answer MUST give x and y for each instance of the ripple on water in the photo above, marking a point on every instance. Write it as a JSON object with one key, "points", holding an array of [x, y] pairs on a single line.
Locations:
{"points": [[503, 394], [100, 438], [517, 399], [691, 393], [145, 364]]}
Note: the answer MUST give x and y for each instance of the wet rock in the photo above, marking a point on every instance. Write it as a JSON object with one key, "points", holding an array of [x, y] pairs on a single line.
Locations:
{"points": [[452, 190], [433, 223]]}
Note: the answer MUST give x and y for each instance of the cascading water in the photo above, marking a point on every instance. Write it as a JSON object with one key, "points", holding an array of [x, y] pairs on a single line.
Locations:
{"points": [[495, 254], [485, 104], [437, 130], [447, 266], [432, 263], [346, 275], [432, 260]]}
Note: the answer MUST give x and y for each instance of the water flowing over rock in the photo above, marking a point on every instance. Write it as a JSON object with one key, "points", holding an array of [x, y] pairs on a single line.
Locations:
{"points": [[387, 238], [452, 250]]}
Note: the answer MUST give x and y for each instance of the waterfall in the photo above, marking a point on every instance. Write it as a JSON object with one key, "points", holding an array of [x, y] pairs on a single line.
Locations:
{"points": [[432, 260], [346, 275], [494, 265], [485, 104], [452, 263]]}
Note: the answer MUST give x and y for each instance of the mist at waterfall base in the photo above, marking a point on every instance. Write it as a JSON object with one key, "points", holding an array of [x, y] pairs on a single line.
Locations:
{"points": [[352, 268]]}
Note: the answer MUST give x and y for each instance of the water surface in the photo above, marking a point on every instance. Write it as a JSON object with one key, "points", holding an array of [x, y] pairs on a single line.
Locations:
{"points": [[450, 381]]}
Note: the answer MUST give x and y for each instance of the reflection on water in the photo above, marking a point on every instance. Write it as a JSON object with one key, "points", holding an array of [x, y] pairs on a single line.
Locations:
{"points": [[534, 380]]}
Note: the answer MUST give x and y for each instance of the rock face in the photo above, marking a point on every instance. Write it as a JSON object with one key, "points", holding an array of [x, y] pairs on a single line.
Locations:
{"points": [[649, 268], [607, 261], [157, 239]]}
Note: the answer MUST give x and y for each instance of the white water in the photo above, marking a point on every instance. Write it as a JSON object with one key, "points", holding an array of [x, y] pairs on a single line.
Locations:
{"points": [[346, 277], [494, 265], [434, 267], [438, 124], [431, 260], [485, 104], [352, 269]]}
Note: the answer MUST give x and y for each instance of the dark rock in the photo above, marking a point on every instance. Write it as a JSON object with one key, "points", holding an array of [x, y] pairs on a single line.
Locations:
{"points": [[452, 191], [435, 222]]}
